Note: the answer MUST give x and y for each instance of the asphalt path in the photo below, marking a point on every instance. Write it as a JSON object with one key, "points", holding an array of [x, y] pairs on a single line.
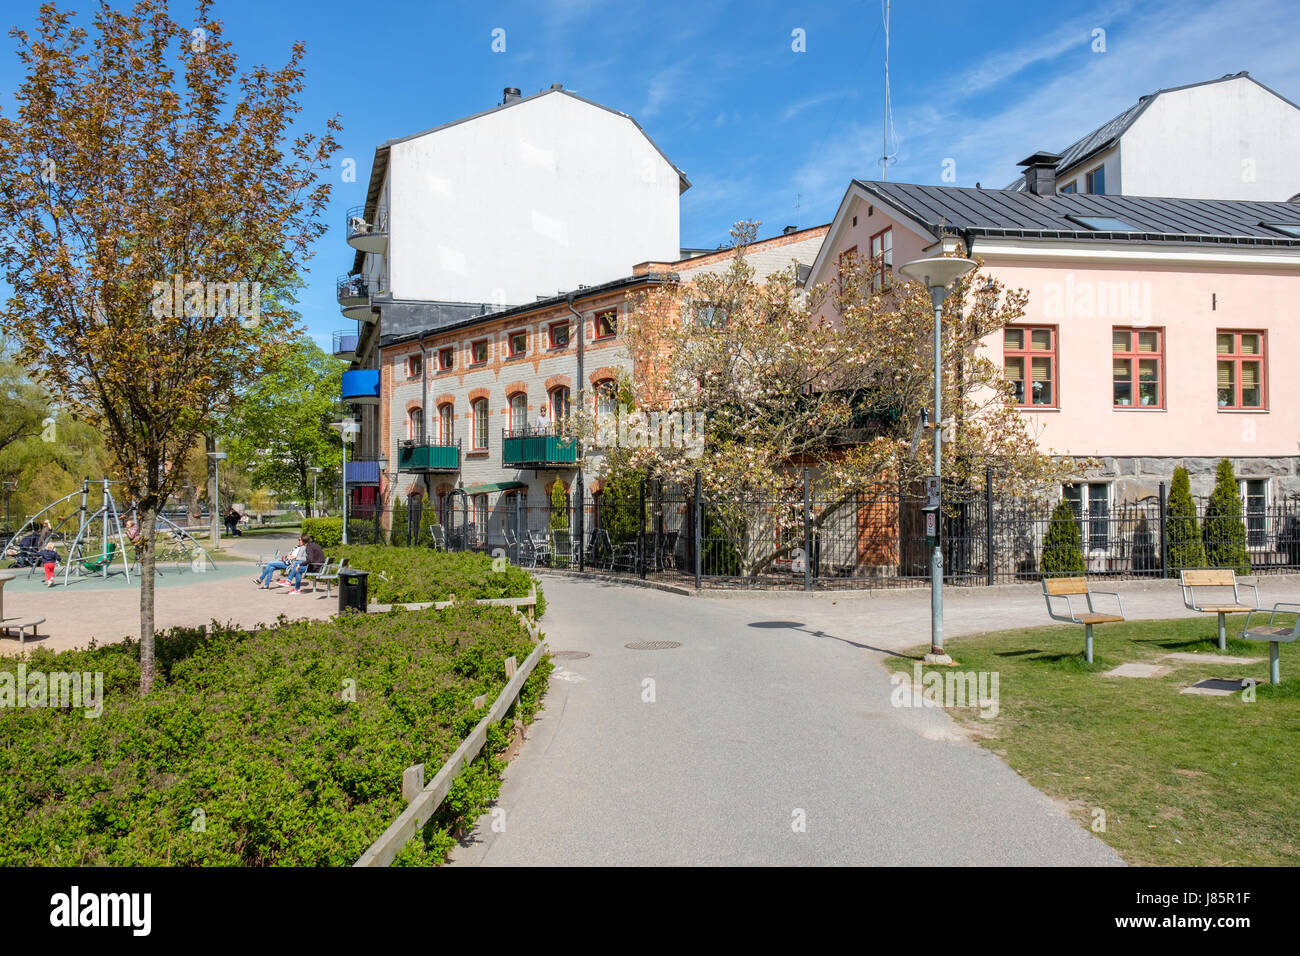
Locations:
{"points": [[767, 737]]}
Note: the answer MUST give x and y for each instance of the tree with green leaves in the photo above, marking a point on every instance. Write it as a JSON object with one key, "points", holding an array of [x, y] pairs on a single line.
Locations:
{"points": [[1223, 530], [559, 507], [1186, 549], [1063, 545], [279, 429], [149, 192]]}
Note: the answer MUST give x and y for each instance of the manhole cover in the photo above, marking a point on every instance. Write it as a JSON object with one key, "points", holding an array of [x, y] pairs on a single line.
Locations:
{"points": [[652, 645], [569, 655]]}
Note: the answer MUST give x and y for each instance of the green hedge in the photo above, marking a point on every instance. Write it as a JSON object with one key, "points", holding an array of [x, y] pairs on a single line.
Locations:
{"points": [[414, 575], [247, 752], [328, 532]]}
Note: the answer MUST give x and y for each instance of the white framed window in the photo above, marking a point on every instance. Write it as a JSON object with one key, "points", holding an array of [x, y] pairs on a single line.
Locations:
{"points": [[1091, 503], [1254, 509], [481, 425], [559, 404], [518, 412], [415, 424], [446, 424]]}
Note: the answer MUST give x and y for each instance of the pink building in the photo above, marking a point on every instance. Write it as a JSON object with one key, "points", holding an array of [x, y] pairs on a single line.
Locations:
{"points": [[1157, 331]]}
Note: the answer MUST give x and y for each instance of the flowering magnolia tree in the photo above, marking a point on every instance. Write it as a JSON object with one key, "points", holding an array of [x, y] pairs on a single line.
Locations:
{"points": [[148, 193], [783, 389]]}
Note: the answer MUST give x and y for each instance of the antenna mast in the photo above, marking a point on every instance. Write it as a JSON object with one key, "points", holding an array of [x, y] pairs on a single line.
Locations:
{"points": [[884, 136]]}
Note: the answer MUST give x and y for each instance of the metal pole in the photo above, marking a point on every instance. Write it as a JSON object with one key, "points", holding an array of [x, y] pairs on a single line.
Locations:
{"points": [[988, 528], [698, 531], [520, 531], [216, 505], [345, 486], [807, 536], [937, 655], [641, 545], [1164, 537], [582, 524]]}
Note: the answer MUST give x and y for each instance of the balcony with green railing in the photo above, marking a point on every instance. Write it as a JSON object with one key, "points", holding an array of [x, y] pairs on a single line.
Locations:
{"points": [[541, 447], [428, 455]]}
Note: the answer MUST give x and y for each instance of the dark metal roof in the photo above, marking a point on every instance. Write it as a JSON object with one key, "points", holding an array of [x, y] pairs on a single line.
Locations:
{"points": [[1006, 213], [1104, 136], [652, 278]]}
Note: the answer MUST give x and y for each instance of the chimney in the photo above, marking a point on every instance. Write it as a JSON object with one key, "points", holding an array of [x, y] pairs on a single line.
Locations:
{"points": [[789, 229], [511, 94], [1040, 173]]}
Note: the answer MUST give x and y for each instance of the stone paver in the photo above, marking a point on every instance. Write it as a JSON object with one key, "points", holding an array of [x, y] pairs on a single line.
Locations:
{"points": [[1134, 669], [1210, 659]]}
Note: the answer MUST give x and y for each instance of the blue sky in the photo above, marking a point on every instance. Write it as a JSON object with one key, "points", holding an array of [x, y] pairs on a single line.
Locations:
{"points": [[755, 125]]}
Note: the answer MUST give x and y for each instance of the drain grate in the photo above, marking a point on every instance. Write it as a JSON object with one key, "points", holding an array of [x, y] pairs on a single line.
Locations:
{"points": [[652, 645], [569, 655]]}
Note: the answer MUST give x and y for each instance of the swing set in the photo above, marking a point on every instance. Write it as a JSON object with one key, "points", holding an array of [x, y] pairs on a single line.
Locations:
{"points": [[100, 543]]}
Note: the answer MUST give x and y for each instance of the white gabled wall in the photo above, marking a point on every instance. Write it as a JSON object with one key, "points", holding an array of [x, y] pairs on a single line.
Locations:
{"points": [[1228, 140], [527, 201]]}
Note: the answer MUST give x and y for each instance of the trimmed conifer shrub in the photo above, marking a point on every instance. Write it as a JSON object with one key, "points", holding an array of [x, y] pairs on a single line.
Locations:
{"points": [[1062, 545], [1224, 532], [1186, 549]]}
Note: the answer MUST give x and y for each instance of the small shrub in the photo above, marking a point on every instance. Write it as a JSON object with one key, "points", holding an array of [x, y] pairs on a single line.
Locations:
{"points": [[1223, 531], [399, 535], [559, 507], [1186, 549], [1062, 545], [328, 532], [417, 575], [428, 520]]}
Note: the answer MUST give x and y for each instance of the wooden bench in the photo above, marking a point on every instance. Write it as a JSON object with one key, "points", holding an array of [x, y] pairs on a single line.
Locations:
{"points": [[1273, 633], [1218, 581], [21, 624], [1070, 588]]}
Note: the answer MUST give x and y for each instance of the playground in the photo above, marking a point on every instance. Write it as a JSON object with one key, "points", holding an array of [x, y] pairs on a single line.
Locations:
{"points": [[104, 605]]}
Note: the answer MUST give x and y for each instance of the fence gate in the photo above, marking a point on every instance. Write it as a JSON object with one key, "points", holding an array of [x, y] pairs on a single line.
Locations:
{"points": [[456, 520]]}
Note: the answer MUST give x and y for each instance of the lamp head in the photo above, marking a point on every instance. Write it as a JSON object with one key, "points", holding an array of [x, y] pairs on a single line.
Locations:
{"points": [[937, 272]]}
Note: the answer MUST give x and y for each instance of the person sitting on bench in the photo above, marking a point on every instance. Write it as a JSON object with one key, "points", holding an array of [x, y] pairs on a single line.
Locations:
{"points": [[282, 564], [313, 560]]}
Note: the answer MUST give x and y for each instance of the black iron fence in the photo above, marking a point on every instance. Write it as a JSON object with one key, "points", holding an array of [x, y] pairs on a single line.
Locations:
{"points": [[874, 538]]}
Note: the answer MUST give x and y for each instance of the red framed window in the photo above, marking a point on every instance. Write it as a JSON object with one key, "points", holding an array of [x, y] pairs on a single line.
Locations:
{"points": [[1138, 368], [559, 404], [480, 409], [1029, 359], [518, 343], [446, 424], [606, 323], [845, 256], [882, 257], [414, 366], [478, 352], [558, 335], [1241, 365], [415, 424], [446, 358]]}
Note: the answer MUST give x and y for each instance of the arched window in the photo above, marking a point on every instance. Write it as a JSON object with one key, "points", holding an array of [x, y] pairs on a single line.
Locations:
{"points": [[606, 397], [446, 424], [559, 404], [415, 424], [518, 412], [480, 407]]}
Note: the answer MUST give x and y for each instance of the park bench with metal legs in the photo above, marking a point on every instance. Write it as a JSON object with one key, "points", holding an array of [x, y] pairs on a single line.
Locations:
{"points": [[19, 624], [1195, 582], [1069, 589], [327, 576], [1275, 634]]}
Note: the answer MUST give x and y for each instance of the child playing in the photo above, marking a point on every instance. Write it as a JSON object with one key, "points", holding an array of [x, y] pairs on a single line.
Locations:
{"points": [[48, 557]]}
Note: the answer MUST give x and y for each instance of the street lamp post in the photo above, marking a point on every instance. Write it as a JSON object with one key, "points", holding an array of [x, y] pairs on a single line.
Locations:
{"points": [[937, 274], [217, 458], [315, 499], [379, 494], [347, 429]]}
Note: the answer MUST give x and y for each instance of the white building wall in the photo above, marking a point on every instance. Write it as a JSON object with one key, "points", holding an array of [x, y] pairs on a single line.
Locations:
{"points": [[527, 201], [1228, 140]]}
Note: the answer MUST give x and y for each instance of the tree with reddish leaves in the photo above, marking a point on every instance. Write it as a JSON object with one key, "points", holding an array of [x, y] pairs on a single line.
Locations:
{"points": [[149, 193]]}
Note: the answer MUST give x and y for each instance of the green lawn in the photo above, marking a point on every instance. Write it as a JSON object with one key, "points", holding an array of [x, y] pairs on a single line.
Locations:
{"points": [[1182, 779]]}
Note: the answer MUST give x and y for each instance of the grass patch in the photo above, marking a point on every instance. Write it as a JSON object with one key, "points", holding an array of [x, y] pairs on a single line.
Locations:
{"points": [[252, 750], [1182, 779]]}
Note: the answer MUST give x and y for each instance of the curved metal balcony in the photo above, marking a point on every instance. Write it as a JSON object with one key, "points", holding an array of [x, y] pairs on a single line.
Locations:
{"points": [[367, 231], [353, 293], [541, 447], [361, 386], [345, 345]]}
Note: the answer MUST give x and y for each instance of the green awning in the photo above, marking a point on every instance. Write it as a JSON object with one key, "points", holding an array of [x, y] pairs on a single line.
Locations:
{"points": [[495, 486]]}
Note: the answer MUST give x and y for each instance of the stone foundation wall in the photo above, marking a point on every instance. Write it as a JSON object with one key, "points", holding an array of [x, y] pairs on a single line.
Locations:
{"points": [[1137, 478]]}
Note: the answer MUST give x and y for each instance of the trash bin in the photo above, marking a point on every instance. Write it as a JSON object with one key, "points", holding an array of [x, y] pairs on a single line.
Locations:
{"points": [[353, 590]]}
